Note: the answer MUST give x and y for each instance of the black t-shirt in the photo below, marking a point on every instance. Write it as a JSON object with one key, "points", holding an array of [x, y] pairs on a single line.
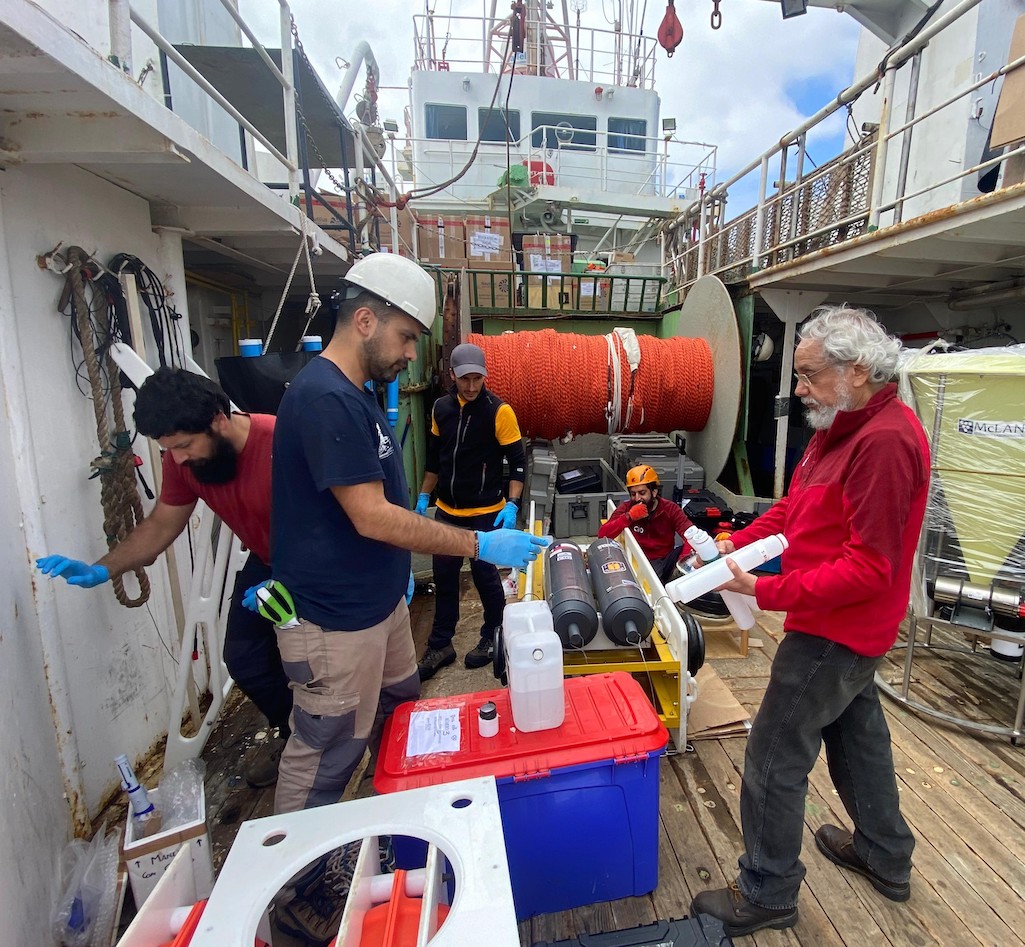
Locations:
{"points": [[331, 433]]}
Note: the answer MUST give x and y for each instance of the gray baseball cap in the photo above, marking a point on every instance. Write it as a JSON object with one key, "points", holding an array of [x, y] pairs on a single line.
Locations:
{"points": [[468, 359]]}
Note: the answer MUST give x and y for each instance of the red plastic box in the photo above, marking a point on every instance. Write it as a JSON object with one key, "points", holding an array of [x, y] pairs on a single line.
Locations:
{"points": [[579, 803]]}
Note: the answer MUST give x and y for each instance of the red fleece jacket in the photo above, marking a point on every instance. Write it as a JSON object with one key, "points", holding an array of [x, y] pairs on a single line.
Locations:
{"points": [[655, 534], [852, 518]]}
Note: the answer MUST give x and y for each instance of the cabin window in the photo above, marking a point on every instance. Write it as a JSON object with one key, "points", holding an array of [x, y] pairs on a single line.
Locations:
{"points": [[446, 122], [627, 134], [572, 132], [494, 127]]}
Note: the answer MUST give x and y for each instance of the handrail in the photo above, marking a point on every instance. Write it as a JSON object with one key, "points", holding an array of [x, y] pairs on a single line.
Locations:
{"points": [[840, 200], [182, 63]]}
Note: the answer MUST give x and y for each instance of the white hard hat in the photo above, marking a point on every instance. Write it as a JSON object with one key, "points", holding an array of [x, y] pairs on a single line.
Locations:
{"points": [[400, 282]]}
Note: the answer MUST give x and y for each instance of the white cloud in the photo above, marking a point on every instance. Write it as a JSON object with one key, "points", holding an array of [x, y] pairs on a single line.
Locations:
{"points": [[734, 87]]}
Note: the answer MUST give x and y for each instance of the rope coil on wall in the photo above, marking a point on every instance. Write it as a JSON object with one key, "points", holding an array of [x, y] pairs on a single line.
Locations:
{"points": [[559, 383], [119, 497]]}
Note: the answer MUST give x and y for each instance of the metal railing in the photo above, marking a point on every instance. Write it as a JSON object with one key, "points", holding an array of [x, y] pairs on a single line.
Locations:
{"points": [[843, 199], [665, 168], [283, 76], [537, 293], [550, 49]]}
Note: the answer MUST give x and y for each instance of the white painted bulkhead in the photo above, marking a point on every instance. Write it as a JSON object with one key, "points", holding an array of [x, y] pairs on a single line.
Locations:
{"points": [[85, 678], [437, 160]]}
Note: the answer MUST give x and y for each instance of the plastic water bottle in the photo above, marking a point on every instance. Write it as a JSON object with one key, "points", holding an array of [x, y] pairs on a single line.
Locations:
{"points": [[716, 572], [145, 817]]}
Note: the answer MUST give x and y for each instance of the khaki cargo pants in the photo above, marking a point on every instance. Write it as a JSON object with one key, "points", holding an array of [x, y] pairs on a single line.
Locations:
{"points": [[344, 684]]}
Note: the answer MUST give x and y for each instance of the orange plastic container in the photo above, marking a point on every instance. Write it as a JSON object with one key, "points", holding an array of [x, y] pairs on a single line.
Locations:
{"points": [[395, 922]]}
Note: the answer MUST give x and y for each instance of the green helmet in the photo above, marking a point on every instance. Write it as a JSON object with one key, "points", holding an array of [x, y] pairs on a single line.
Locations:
{"points": [[275, 603]]}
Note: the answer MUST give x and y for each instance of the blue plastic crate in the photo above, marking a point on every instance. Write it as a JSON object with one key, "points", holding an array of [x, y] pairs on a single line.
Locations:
{"points": [[577, 833]]}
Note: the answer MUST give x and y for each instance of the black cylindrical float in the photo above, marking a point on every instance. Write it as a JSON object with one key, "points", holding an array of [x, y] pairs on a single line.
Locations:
{"points": [[569, 595], [626, 615]]}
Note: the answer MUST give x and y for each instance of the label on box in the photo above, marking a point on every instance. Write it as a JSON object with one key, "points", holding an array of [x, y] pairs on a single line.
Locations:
{"points": [[482, 242], [539, 262], [433, 731]]}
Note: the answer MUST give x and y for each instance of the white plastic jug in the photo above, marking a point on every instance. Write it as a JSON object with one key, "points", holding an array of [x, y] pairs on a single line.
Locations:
{"points": [[533, 655]]}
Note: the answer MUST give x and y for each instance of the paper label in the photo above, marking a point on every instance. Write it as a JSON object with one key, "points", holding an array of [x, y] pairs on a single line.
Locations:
{"points": [[482, 242], [433, 731]]}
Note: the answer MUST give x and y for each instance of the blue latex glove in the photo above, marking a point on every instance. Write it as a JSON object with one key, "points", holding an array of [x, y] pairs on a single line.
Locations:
{"points": [[506, 518], [249, 599], [510, 547], [421, 504], [74, 571], [410, 587]]}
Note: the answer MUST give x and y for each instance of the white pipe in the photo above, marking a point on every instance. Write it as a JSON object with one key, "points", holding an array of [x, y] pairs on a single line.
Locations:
{"points": [[361, 54], [882, 149], [120, 17], [257, 45], [288, 95]]}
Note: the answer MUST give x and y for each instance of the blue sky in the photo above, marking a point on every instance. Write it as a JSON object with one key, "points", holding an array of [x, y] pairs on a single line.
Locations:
{"points": [[741, 87]]}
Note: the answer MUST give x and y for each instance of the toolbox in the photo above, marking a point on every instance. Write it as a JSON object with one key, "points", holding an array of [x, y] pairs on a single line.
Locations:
{"points": [[579, 802]]}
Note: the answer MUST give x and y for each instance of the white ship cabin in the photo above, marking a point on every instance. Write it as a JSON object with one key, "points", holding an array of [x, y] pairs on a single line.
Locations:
{"points": [[569, 112]]}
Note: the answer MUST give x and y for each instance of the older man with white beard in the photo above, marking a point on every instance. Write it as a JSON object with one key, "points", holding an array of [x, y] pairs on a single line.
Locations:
{"points": [[852, 516]]}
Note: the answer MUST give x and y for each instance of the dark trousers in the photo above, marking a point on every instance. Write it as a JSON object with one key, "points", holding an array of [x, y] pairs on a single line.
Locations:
{"points": [[251, 651], [446, 585], [666, 566], [819, 692]]}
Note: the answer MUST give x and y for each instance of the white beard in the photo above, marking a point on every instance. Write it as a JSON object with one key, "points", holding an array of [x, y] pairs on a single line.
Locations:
{"points": [[819, 417]]}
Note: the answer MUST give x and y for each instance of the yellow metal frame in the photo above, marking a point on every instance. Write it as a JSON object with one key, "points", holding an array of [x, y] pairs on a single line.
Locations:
{"points": [[657, 662]]}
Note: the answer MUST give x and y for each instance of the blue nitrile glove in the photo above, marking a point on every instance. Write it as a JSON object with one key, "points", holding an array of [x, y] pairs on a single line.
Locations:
{"points": [[510, 547], [410, 587], [506, 518], [421, 503], [74, 571], [249, 599]]}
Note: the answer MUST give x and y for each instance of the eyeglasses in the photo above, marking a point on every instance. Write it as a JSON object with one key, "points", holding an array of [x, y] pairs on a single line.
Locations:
{"points": [[804, 378]]}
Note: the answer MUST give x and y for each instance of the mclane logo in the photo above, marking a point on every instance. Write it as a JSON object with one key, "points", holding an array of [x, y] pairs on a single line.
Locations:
{"points": [[384, 444], [1014, 429]]}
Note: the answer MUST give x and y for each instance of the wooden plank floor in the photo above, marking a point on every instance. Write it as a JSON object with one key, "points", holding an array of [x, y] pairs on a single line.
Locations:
{"points": [[963, 795]]}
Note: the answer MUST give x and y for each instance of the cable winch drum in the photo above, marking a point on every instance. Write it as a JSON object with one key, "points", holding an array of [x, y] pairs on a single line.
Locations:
{"points": [[626, 615], [569, 595]]}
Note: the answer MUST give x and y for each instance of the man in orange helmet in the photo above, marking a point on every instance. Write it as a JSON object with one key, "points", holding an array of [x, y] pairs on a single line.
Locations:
{"points": [[654, 521]]}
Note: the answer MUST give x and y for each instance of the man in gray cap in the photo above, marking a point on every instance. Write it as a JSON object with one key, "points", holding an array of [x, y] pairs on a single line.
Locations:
{"points": [[472, 429]]}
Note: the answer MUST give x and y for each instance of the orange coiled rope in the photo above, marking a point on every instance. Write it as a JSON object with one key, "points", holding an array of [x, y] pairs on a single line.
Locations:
{"points": [[559, 383]]}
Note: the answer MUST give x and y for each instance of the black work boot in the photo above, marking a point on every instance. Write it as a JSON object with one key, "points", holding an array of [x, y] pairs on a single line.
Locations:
{"points": [[434, 660], [738, 915], [482, 655], [837, 845]]}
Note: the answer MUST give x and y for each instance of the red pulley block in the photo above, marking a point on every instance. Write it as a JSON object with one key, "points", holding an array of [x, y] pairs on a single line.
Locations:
{"points": [[670, 32]]}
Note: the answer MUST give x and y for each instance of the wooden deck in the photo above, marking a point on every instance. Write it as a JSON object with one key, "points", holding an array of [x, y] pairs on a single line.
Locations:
{"points": [[963, 795]]}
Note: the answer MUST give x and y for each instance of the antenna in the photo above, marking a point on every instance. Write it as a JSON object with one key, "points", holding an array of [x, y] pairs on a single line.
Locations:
{"points": [[578, 7]]}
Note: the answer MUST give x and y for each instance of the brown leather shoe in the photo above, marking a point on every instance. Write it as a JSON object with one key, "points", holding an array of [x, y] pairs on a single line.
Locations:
{"points": [[738, 915], [837, 845]]}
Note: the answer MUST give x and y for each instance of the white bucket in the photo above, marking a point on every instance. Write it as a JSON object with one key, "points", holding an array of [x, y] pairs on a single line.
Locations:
{"points": [[1007, 650], [534, 663]]}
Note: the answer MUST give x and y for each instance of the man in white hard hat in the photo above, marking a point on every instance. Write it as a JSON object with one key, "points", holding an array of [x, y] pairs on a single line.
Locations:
{"points": [[342, 533]]}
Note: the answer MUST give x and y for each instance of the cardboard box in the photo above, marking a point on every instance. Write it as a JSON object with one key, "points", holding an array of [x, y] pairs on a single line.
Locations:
{"points": [[579, 802], [487, 239], [593, 292], [492, 290], [146, 859], [442, 237], [549, 253]]}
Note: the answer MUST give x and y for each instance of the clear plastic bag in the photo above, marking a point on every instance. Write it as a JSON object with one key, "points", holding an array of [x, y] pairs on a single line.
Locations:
{"points": [[85, 884], [181, 794]]}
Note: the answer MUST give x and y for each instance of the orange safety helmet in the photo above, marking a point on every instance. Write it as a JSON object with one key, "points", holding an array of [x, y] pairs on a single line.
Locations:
{"points": [[640, 475]]}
